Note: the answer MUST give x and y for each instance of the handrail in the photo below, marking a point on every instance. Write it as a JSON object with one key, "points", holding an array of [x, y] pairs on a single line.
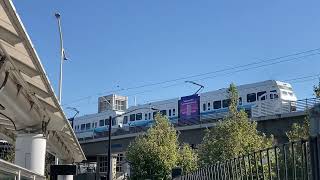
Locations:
{"points": [[17, 172]]}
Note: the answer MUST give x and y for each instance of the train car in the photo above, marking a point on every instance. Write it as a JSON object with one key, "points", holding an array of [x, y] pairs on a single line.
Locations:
{"points": [[257, 99]]}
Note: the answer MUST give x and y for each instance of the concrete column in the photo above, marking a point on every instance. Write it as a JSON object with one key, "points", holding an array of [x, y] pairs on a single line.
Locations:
{"points": [[30, 152]]}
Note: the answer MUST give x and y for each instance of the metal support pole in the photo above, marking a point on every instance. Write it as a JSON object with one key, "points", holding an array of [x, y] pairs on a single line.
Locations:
{"points": [[62, 56], [109, 175]]}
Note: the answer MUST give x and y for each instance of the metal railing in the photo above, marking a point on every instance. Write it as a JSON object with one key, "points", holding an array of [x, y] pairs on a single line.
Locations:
{"points": [[298, 160], [11, 171]]}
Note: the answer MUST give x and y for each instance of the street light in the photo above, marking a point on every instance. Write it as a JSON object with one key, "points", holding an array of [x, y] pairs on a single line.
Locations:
{"points": [[109, 136], [63, 55]]}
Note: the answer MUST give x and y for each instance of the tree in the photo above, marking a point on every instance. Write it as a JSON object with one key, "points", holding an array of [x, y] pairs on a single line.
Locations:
{"points": [[235, 135], [316, 90], [302, 131], [154, 154], [188, 159], [299, 131]]}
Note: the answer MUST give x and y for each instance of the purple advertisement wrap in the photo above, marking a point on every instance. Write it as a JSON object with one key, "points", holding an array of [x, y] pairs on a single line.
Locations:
{"points": [[189, 108]]}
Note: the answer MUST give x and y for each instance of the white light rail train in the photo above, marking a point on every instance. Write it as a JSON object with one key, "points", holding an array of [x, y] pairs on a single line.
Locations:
{"points": [[257, 99]]}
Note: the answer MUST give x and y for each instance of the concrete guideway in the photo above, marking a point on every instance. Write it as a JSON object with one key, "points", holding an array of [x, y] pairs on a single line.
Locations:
{"points": [[30, 114]]}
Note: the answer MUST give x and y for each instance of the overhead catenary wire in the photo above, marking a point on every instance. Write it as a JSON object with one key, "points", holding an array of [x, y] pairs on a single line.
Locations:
{"points": [[174, 100], [208, 73]]}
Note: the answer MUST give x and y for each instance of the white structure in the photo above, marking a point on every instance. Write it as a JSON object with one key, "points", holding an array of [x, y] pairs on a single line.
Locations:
{"points": [[29, 109], [112, 102], [260, 99]]}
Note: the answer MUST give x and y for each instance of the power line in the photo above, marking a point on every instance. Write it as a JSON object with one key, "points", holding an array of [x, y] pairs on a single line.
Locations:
{"points": [[173, 100], [208, 73]]}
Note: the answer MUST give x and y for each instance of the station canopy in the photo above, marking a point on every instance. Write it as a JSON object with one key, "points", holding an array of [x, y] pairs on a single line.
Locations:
{"points": [[27, 101]]}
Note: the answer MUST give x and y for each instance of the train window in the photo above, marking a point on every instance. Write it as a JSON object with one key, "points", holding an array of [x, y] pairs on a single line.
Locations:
{"points": [[204, 107], [251, 97], [114, 122], [92, 125], [132, 117], [88, 126], [163, 112], [101, 122], [276, 96], [216, 104], [209, 106], [95, 124], [145, 116], [106, 122], [169, 112], [226, 103], [125, 119], [262, 93], [149, 115], [240, 101], [173, 112], [139, 116], [83, 126]]}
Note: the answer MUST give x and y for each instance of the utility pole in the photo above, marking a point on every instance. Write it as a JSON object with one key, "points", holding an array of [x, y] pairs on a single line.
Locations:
{"points": [[109, 150]]}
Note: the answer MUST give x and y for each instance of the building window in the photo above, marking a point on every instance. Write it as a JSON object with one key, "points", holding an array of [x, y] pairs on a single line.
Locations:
{"points": [[120, 105], [204, 107], [132, 117], [173, 112], [125, 119], [226, 103], [88, 126], [83, 127], [251, 97], [216, 104], [209, 106], [169, 112], [139, 116]]}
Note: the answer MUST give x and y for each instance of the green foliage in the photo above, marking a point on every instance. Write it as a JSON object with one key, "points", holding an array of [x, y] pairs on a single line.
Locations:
{"points": [[235, 135], [316, 90], [188, 159], [10, 155], [299, 131], [154, 154]]}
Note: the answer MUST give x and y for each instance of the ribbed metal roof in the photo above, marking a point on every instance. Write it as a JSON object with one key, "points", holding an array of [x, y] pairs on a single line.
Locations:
{"points": [[27, 100]]}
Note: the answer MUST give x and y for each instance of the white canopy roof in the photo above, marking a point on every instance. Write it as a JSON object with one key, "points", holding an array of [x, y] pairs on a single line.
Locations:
{"points": [[27, 100]]}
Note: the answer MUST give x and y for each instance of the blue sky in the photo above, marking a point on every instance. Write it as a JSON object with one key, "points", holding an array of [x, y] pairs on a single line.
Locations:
{"points": [[117, 44]]}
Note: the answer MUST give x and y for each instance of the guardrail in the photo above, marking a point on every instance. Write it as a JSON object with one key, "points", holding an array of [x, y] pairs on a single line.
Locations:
{"points": [[297, 160], [12, 171]]}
